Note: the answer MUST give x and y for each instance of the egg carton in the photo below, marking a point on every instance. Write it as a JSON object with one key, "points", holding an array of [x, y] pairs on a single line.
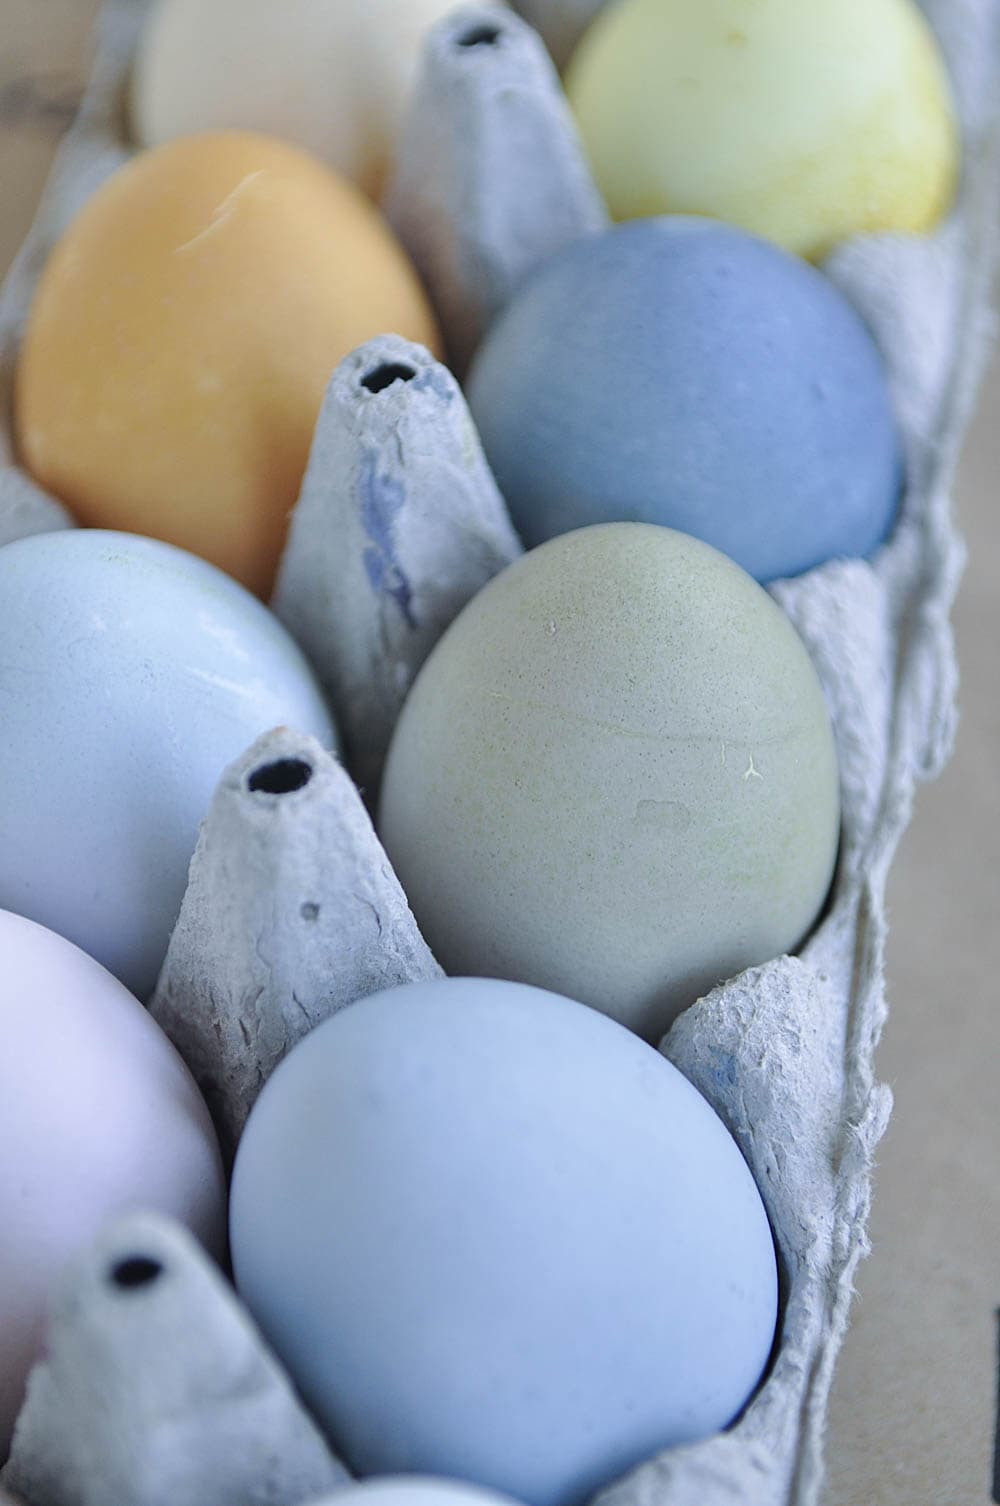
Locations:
{"points": [[292, 908]]}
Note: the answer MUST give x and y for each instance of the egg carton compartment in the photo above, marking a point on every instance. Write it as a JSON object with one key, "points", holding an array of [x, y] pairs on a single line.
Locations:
{"points": [[293, 909]]}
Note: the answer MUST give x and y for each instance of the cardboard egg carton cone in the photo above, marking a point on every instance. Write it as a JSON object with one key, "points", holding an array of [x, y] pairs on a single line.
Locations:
{"points": [[399, 523], [785, 1052], [560, 23], [490, 178], [27, 509], [158, 1390], [292, 911]]}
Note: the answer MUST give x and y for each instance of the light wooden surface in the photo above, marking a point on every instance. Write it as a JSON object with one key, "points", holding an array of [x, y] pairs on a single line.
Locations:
{"points": [[914, 1406]]}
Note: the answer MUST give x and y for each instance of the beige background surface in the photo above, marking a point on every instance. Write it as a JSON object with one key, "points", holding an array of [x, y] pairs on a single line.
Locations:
{"points": [[914, 1407]]}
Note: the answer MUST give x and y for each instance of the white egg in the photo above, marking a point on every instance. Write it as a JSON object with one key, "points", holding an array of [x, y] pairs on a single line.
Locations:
{"points": [[333, 75], [412, 1490]]}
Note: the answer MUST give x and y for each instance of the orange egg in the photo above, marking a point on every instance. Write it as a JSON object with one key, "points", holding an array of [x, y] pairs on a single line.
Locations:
{"points": [[184, 331]]}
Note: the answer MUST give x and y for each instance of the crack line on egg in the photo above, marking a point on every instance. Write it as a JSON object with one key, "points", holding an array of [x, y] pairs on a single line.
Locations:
{"points": [[221, 214]]}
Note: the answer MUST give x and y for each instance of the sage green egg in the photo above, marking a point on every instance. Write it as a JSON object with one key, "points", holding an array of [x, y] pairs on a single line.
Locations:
{"points": [[802, 122], [615, 777]]}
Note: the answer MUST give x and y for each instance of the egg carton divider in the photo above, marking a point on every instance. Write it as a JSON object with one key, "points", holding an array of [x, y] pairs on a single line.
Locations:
{"points": [[213, 1420], [784, 1052]]}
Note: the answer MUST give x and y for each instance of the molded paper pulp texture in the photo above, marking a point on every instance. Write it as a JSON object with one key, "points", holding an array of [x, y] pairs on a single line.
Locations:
{"points": [[785, 1051], [175, 1372]]}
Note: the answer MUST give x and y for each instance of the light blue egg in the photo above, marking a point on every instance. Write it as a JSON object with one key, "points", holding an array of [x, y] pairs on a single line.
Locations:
{"points": [[683, 372], [131, 674], [497, 1237]]}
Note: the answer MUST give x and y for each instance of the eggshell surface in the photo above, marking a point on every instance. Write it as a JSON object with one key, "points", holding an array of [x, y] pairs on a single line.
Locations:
{"points": [[496, 1237], [615, 777], [183, 334], [332, 75], [805, 123], [131, 675], [682, 372], [98, 1115], [412, 1490]]}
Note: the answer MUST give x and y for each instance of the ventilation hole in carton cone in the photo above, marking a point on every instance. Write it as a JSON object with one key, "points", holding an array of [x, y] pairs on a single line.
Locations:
{"points": [[480, 36], [134, 1271], [383, 376], [282, 777]]}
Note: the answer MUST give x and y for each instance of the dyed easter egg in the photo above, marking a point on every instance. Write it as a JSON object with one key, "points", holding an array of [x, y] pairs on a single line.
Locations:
{"points": [[495, 1236], [804, 123], [98, 1115], [412, 1490], [681, 372], [615, 777], [131, 675], [183, 334], [334, 76]]}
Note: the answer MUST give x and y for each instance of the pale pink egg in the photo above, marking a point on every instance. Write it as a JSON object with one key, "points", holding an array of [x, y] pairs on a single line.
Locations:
{"points": [[98, 1115]]}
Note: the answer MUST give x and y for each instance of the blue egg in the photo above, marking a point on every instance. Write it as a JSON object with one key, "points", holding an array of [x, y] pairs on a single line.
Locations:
{"points": [[131, 674], [495, 1236], [682, 372]]}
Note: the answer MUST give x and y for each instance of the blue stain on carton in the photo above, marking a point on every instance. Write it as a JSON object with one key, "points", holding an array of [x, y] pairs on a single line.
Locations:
{"points": [[382, 496], [723, 1070], [437, 380]]}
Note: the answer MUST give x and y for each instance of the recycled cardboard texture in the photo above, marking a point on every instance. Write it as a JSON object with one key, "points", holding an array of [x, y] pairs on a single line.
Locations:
{"points": [[292, 911], [490, 178], [213, 1420], [808, 1112], [398, 525], [561, 23]]}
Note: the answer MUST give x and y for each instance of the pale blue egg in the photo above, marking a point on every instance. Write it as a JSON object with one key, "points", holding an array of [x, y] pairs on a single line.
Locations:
{"points": [[131, 674], [683, 372], [495, 1236]]}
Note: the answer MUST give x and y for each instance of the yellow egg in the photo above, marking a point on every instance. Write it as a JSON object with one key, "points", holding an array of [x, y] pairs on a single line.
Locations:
{"points": [[183, 334], [803, 120]]}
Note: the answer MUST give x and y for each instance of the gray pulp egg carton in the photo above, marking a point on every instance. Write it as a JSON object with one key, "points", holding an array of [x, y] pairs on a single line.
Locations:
{"points": [[292, 908]]}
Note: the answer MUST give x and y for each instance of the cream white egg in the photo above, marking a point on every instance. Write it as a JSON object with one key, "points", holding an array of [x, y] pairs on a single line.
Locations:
{"points": [[332, 75]]}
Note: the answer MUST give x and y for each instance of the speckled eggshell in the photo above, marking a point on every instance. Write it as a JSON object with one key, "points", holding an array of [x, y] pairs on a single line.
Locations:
{"points": [[184, 331], [98, 1115], [615, 777], [681, 372], [131, 675], [807, 123], [332, 75], [495, 1236]]}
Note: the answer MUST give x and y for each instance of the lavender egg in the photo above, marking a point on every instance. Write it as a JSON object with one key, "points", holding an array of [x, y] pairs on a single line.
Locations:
{"points": [[98, 1116]]}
